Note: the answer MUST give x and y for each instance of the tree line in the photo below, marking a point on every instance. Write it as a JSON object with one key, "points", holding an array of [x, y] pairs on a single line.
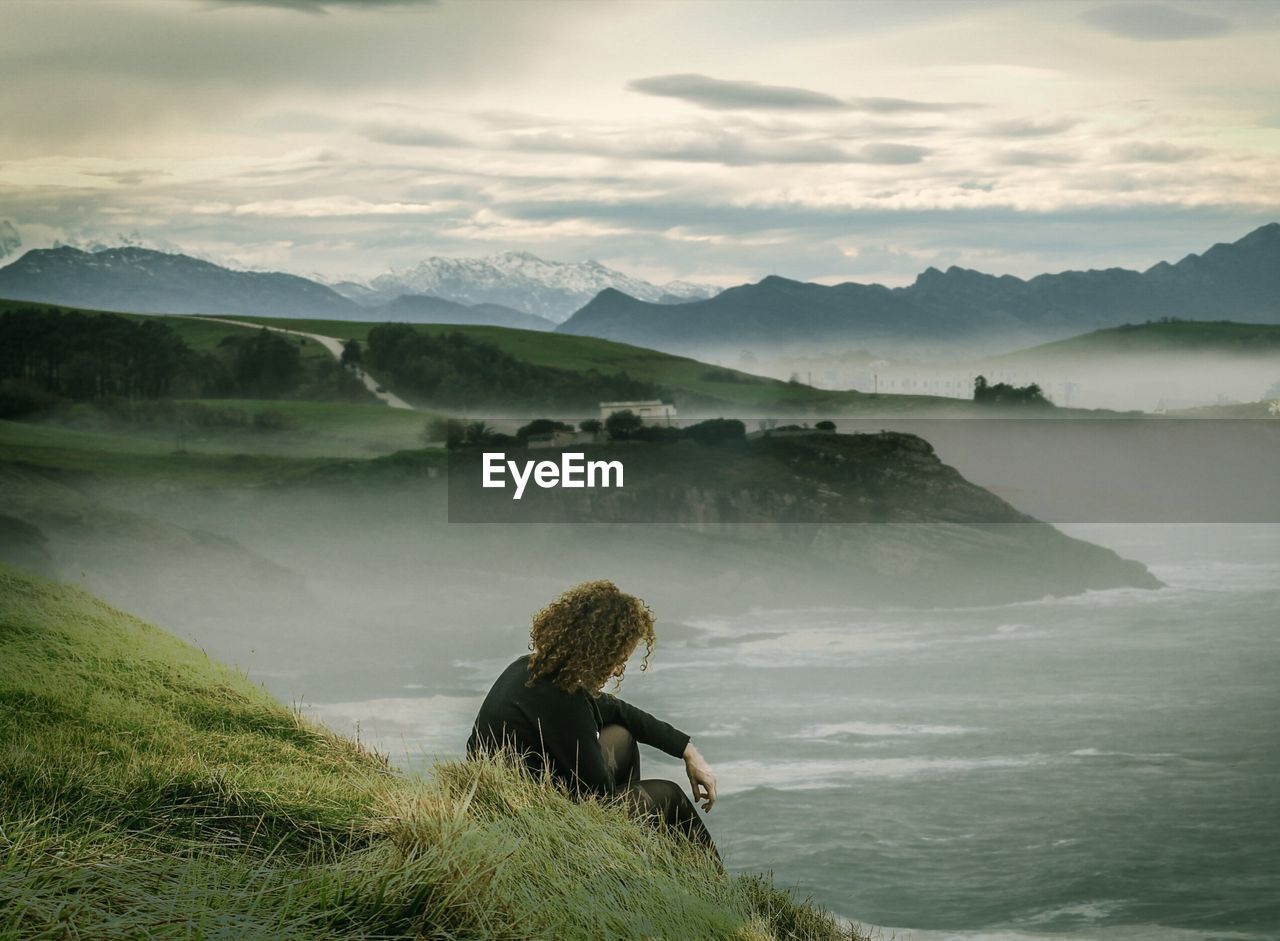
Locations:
{"points": [[48, 355], [1002, 393], [453, 369]]}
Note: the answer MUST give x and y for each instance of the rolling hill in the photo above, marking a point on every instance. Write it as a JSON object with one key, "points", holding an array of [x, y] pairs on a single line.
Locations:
{"points": [[1173, 337]]}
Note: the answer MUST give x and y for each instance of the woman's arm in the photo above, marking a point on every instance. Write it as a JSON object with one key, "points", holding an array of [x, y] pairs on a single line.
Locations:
{"points": [[701, 780], [643, 726], [571, 740]]}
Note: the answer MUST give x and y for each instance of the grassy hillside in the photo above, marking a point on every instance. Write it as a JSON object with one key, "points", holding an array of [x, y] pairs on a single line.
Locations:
{"points": [[710, 390], [146, 791], [700, 389], [197, 334], [1173, 337], [274, 427], [579, 354]]}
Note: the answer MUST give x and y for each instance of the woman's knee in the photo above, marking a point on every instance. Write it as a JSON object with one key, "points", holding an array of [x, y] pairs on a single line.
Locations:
{"points": [[621, 753], [674, 806], [668, 798]]}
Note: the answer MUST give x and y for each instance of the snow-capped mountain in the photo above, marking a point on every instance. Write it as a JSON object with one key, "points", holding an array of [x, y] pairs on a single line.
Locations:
{"points": [[549, 289]]}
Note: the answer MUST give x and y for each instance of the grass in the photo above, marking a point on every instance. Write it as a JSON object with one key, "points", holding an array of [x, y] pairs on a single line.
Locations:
{"points": [[1173, 337], [148, 792], [299, 427], [144, 457], [700, 389], [197, 334]]}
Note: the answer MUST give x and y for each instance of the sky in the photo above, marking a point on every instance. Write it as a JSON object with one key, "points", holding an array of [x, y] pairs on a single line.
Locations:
{"points": [[715, 142]]}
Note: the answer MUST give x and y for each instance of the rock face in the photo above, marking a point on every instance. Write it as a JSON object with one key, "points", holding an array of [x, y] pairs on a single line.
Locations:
{"points": [[879, 514], [977, 312]]}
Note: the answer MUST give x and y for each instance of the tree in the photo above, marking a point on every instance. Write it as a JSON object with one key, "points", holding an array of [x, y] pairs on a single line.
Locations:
{"points": [[622, 425], [435, 430], [715, 430], [541, 426], [1002, 393], [825, 426], [476, 432], [267, 364], [352, 356], [591, 426]]}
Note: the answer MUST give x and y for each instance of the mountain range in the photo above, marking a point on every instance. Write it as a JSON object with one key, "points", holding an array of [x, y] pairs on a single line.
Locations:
{"points": [[131, 278], [967, 310], [519, 280], [958, 311]]}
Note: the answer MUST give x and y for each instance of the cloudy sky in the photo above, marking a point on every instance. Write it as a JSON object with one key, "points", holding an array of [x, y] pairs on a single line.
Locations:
{"points": [[711, 141]]}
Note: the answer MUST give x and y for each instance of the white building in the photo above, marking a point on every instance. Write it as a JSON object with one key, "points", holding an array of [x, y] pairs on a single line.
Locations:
{"points": [[651, 412]]}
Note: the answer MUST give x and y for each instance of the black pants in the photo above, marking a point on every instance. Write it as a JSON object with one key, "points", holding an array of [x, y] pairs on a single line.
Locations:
{"points": [[654, 796]]}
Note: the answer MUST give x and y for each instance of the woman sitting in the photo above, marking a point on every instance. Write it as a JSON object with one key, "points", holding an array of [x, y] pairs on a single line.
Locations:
{"points": [[548, 707]]}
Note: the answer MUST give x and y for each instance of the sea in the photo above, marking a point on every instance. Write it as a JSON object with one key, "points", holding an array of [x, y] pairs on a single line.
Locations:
{"points": [[1101, 766]]}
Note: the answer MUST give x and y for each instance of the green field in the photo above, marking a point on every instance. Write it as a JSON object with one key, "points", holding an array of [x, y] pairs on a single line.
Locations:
{"points": [[704, 386], [146, 791], [699, 389], [1174, 337], [315, 435]]}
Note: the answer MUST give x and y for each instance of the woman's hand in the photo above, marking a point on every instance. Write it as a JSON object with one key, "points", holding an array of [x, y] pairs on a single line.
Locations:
{"points": [[701, 780]]}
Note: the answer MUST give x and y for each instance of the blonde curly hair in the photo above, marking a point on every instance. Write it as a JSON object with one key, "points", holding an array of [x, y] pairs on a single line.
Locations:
{"points": [[584, 637]]}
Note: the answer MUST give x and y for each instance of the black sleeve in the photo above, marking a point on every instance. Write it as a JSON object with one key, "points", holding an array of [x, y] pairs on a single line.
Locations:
{"points": [[572, 742], [643, 726]]}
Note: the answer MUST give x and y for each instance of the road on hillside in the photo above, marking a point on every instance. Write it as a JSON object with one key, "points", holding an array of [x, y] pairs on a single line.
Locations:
{"points": [[334, 346]]}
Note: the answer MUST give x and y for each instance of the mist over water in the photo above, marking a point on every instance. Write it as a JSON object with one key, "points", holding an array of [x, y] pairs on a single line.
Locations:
{"points": [[1098, 766]]}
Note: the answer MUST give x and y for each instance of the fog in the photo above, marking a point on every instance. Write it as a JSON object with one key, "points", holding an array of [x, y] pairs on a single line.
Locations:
{"points": [[1134, 381], [928, 726]]}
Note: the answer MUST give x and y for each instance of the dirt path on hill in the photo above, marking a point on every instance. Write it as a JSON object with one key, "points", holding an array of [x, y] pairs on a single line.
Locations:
{"points": [[333, 345]]}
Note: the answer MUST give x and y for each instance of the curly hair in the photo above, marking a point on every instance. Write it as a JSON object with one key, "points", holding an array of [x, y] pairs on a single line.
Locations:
{"points": [[584, 636]]}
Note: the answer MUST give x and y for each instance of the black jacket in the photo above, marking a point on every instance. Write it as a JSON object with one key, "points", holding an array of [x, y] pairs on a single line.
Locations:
{"points": [[560, 731]]}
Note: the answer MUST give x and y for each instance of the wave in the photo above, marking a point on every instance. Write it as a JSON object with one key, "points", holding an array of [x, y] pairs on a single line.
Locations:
{"points": [[1092, 933], [735, 776], [1136, 756], [438, 723], [880, 730]]}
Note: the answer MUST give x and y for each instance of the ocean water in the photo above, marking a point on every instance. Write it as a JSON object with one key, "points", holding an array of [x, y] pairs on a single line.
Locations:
{"points": [[1105, 766]]}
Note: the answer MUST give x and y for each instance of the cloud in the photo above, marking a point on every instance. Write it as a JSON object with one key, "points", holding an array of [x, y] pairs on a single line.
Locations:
{"points": [[322, 7], [1029, 127], [1154, 152], [722, 147], [318, 207], [1154, 22], [128, 177], [895, 105], [724, 95], [10, 240], [892, 153], [411, 135], [1034, 158]]}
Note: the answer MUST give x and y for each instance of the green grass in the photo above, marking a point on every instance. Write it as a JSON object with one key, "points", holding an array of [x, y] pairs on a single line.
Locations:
{"points": [[691, 381], [149, 792], [317, 436], [579, 354], [700, 389], [141, 457], [1175, 337], [197, 334]]}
